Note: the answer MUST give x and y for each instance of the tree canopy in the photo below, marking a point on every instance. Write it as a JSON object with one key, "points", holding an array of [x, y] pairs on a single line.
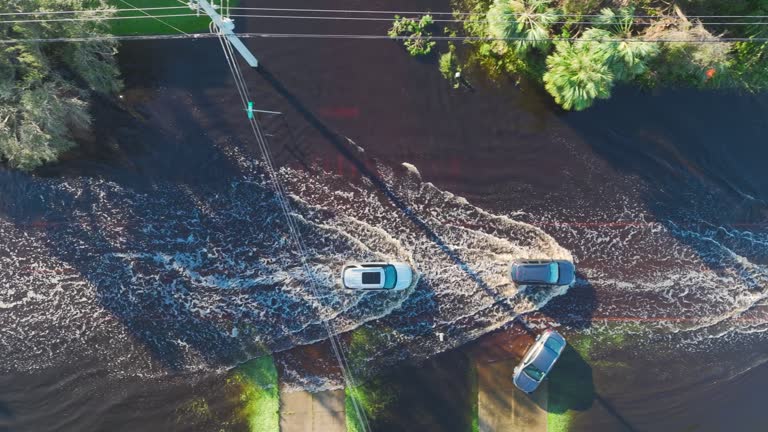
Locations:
{"points": [[578, 73], [580, 48], [45, 88], [524, 24]]}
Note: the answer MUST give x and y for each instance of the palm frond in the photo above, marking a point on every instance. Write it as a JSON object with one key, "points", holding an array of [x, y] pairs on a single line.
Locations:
{"points": [[524, 24], [577, 74]]}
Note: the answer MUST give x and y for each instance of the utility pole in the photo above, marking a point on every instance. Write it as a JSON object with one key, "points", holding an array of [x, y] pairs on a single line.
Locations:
{"points": [[226, 26]]}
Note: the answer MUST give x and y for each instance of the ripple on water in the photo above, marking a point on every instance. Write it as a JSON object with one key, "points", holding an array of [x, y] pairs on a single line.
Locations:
{"points": [[189, 280]]}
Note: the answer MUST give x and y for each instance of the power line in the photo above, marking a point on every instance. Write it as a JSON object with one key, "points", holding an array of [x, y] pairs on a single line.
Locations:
{"points": [[281, 195], [364, 37], [156, 18], [479, 38], [107, 38], [88, 11], [96, 18], [354, 11], [480, 14], [617, 20]]}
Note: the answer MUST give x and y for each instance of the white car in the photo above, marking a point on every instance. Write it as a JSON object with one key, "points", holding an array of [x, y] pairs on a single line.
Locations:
{"points": [[377, 276], [538, 361]]}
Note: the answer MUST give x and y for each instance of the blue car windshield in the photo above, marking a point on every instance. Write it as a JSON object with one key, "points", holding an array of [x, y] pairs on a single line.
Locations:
{"points": [[534, 373], [554, 273], [390, 276]]}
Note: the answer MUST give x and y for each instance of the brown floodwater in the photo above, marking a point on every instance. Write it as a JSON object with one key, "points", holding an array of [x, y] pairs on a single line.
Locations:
{"points": [[659, 195]]}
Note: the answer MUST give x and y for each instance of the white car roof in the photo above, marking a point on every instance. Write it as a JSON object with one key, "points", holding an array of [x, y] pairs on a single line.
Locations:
{"points": [[355, 274], [354, 277]]}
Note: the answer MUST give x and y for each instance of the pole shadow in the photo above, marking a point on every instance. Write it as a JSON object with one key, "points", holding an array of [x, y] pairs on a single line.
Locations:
{"points": [[341, 145]]}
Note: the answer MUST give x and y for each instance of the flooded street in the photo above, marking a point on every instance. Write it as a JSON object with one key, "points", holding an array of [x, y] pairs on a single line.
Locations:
{"points": [[156, 258]]}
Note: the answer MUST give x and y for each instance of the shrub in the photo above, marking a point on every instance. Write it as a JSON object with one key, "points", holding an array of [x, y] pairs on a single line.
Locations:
{"points": [[580, 7], [417, 34], [688, 62], [523, 24], [448, 65], [629, 57], [578, 73]]}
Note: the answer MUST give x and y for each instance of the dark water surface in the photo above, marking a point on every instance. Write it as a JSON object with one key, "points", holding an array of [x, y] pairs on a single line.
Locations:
{"points": [[156, 258]]}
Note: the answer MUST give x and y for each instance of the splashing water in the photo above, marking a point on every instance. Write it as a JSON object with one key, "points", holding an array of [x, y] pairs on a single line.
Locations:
{"points": [[174, 278]]}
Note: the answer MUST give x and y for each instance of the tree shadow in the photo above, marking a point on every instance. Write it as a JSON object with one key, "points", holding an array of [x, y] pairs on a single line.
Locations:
{"points": [[432, 396], [700, 154], [341, 145], [164, 320]]}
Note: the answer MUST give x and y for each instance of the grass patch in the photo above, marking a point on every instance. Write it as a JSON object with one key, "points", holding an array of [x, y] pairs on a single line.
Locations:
{"points": [[559, 422], [374, 397], [196, 411], [147, 26], [259, 394], [474, 415]]}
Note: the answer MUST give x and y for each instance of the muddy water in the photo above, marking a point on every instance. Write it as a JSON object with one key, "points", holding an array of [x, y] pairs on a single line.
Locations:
{"points": [[158, 257]]}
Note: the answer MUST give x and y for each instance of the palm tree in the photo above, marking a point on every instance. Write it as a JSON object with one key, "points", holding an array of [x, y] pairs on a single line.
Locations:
{"points": [[524, 24], [577, 74], [629, 57]]}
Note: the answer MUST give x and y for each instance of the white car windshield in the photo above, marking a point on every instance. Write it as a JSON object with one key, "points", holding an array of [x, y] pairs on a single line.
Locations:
{"points": [[390, 277]]}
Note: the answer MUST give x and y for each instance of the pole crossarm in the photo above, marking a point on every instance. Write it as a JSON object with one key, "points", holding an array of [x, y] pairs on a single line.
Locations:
{"points": [[226, 27]]}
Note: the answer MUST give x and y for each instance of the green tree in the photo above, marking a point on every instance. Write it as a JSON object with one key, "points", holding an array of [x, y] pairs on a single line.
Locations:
{"points": [[524, 24], [749, 60], [417, 34], [629, 56], [448, 64], [578, 73], [45, 87]]}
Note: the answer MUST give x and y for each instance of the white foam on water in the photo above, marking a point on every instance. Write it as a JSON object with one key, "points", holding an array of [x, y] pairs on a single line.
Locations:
{"points": [[691, 279], [194, 280]]}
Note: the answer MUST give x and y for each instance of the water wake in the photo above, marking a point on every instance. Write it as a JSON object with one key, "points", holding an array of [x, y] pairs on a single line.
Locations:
{"points": [[181, 279]]}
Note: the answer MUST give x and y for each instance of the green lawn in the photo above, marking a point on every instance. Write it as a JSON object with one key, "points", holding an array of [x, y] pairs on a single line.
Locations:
{"points": [[260, 395], [374, 397], [147, 26]]}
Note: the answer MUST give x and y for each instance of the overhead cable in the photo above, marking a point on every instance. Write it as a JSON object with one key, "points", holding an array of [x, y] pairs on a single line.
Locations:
{"points": [[366, 37], [293, 229]]}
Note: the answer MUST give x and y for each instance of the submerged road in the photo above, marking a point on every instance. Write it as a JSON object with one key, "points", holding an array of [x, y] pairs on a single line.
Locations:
{"points": [[158, 252]]}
